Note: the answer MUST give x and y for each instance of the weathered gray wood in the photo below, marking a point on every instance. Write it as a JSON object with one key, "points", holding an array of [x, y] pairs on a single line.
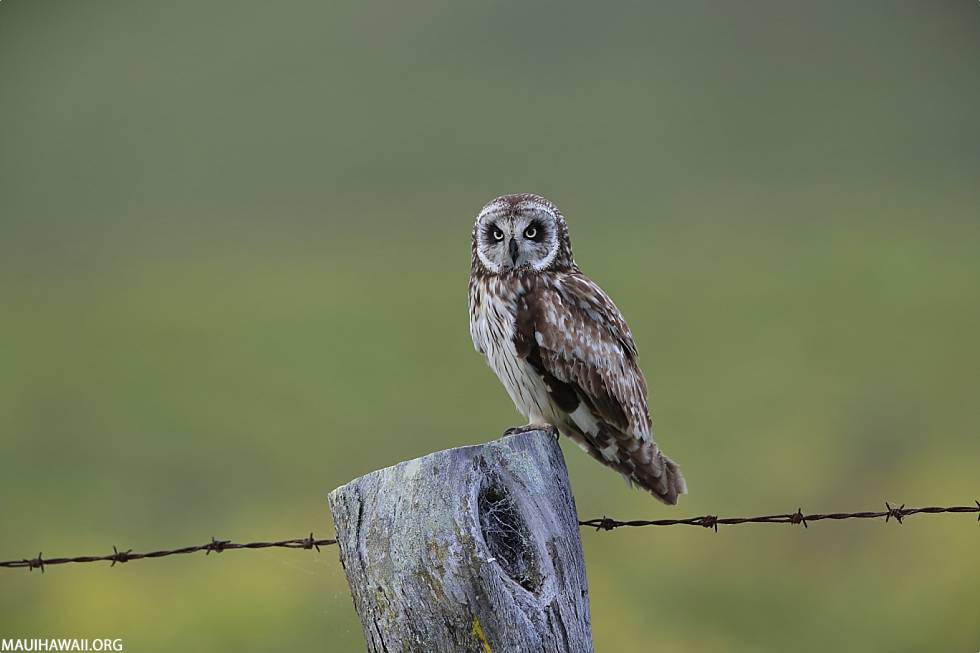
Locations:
{"points": [[473, 549]]}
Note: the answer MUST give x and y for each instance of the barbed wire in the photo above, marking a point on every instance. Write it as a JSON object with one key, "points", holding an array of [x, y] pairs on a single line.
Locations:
{"points": [[601, 524], [713, 521], [215, 546]]}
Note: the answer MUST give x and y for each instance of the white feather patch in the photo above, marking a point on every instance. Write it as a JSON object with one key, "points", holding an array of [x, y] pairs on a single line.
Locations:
{"points": [[585, 420]]}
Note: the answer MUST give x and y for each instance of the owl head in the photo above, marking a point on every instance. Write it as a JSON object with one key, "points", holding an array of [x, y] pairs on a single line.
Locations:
{"points": [[521, 233]]}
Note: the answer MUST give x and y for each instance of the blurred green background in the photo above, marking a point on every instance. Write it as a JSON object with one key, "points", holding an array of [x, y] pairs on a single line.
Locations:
{"points": [[234, 248]]}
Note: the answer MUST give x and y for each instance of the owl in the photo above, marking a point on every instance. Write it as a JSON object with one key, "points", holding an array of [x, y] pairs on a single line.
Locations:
{"points": [[558, 343]]}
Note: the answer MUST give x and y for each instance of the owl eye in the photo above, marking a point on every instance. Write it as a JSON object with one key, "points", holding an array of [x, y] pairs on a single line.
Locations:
{"points": [[531, 232], [497, 233]]}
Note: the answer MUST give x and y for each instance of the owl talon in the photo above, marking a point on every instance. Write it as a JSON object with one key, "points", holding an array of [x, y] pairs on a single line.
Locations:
{"points": [[550, 428]]}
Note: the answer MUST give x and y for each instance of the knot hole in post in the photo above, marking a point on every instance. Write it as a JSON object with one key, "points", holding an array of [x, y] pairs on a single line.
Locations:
{"points": [[507, 535]]}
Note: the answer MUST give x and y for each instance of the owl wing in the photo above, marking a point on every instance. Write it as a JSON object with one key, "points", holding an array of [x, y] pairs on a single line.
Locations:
{"points": [[571, 330], [571, 333]]}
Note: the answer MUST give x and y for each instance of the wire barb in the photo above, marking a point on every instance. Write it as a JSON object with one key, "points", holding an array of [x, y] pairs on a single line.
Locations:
{"points": [[604, 524], [121, 557], [35, 563], [798, 518], [216, 545], [310, 543], [897, 513]]}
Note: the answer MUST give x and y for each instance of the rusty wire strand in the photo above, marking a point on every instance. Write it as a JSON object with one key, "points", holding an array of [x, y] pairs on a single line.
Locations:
{"points": [[603, 524], [713, 521], [215, 545]]}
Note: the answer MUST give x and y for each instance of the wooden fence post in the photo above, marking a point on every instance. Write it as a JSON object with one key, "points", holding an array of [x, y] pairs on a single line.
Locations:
{"points": [[472, 549]]}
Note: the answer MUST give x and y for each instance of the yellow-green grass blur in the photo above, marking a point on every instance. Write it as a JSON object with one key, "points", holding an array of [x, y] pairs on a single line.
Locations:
{"points": [[234, 247]]}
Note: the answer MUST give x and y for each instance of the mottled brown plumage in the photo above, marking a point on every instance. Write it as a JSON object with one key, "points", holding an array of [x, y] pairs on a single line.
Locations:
{"points": [[558, 343]]}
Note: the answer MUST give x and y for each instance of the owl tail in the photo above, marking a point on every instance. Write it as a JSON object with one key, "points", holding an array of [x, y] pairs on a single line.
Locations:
{"points": [[656, 473]]}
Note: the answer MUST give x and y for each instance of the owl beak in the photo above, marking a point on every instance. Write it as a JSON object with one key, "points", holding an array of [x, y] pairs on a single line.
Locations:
{"points": [[514, 253]]}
